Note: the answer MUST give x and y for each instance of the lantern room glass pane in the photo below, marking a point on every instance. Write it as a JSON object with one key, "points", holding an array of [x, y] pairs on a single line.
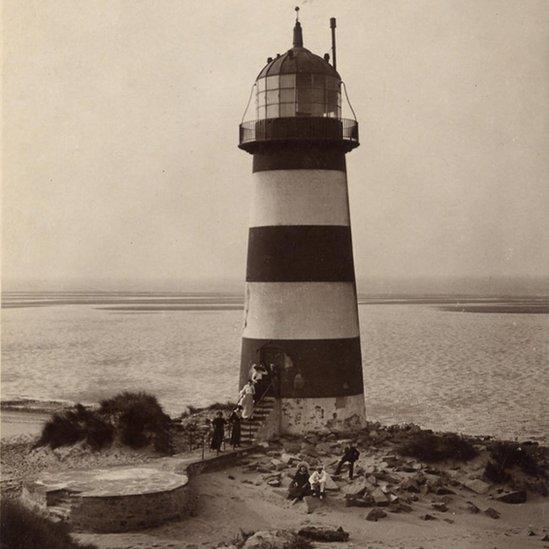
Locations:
{"points": [[260, 113], [272, 111], [287, 109], [303, 80], [317, 95], [261, 84], [318, 80], [287, 95], [272, 82], [261, 99], [272, 97], [287, 80], [332, 83]]}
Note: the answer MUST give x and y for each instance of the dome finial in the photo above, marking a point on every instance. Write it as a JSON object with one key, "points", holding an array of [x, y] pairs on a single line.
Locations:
{"points": [[298, 34]]}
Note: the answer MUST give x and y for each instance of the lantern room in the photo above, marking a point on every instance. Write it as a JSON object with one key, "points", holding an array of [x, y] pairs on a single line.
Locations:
{"points": [[297, 96]]}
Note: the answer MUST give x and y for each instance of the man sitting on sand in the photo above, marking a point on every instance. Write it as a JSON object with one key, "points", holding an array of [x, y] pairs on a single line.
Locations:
{"points": [[350, 455], [318, 482]]}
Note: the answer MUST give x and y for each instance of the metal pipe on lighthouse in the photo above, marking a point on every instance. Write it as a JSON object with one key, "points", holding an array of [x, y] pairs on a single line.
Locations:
{"points": [[301, 313]]}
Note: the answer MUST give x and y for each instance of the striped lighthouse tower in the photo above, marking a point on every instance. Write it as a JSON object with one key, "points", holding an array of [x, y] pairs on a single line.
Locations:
{"points": [[301, 315]]}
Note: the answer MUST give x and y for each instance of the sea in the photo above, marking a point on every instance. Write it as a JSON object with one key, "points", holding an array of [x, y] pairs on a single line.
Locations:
{"points": [[466, 364]]}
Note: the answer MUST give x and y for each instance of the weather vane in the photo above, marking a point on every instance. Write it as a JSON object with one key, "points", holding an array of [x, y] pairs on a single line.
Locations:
{"points": [[297, 13]]}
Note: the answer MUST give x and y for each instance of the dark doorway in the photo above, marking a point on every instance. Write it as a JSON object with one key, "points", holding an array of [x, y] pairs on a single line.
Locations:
{"points": [[275, 360]]}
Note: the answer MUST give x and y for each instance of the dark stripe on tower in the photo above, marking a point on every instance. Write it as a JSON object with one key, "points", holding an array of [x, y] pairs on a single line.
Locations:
{"points": [[327, 367], [300, 253], [298, 157]]}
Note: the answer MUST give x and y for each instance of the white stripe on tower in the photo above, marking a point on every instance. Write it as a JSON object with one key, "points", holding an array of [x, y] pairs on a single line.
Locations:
{"points": [[299, 197]]}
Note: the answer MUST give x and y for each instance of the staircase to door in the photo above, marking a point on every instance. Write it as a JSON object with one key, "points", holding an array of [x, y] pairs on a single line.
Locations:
{"points": [[250, 427]]}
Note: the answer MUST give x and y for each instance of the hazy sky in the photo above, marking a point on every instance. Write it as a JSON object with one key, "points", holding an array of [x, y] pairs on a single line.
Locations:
{"points": [[120, 126]]}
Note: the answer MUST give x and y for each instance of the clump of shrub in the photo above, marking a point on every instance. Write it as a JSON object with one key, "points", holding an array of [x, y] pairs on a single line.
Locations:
{"points": [[135, 419], [138, 420], [75, 425], [432, 447], [505, 456], [20, 528]]}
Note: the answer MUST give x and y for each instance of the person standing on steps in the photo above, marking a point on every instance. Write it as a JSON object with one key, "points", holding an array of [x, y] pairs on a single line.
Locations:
{"points": [[218, 432], [234, 420], [246, 399], [318, 482], [350, 455]]}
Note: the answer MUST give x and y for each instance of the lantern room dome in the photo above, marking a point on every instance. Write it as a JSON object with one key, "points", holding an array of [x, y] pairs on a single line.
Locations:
{"points": [[298, 60]]}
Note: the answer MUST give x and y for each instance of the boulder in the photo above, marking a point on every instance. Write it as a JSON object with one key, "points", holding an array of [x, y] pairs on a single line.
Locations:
{"points": [[472, 508], [380, 499], [410, 485], [519, 496], [274, 482], [356, 489], [476, 485], [330, 484], [278, 464], [273, 539], [314, 533], [291, 446], [399, 507], [427, 516], [359, 502], [492, 513], [439, 507], [288, 458], [375, 514]]}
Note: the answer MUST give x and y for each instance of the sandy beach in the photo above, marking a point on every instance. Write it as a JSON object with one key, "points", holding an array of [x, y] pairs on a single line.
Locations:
{"points": [[243, 496]]}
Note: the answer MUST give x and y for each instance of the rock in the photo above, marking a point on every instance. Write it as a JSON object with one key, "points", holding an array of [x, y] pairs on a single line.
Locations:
{"points": [[288, 459], [427, 516], [274, 539], [291, 446], [410, 485], [311, 504], [519, 496], [379, 497], [478, 486], [330, 484], [443, 490], [492, 513], [376, 514], [399, 507], [472, 508], [439, 507], [545, 538], [448, 520], [358, 502], [230, 477], [314, 533], [356, 489], [278, 464], [274, 482]]}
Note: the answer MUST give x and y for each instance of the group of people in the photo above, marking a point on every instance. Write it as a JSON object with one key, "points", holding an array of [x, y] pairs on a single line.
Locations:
{"points": [[305, 483], [255, 388], [218, 429]]}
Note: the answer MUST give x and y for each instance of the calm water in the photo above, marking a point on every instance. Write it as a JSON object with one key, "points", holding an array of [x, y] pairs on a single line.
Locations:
{"points": [[482, 372]]}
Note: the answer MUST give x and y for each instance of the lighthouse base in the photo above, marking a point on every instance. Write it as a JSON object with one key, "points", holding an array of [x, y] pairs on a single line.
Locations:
{"points": [[301, 415]]}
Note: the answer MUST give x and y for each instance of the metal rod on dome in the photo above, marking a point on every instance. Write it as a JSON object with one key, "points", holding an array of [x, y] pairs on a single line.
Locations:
{"points": [[333, 27]]}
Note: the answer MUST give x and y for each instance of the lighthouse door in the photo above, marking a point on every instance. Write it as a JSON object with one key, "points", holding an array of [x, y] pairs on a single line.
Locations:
{"points": [[275, 360]]}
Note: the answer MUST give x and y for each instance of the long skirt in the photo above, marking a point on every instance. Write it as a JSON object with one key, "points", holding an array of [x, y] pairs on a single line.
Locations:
{"points": [[247, 403], [295, 491], [217, 439], [235, 434]]}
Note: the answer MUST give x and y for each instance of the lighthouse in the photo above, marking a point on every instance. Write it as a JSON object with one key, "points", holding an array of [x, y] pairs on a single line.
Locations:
{"points": [[301, 314]]}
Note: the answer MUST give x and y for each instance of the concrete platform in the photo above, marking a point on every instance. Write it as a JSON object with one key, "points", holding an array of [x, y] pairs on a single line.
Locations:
{"points": [[122, 499]]}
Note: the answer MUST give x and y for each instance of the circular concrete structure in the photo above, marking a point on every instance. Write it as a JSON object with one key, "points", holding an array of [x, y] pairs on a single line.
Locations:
{"points": [[110, 500]]}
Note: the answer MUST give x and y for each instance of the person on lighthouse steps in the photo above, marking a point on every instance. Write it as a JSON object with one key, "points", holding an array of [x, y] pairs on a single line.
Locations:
{"points": [[246, 400], [318, 482], [258, 375]]}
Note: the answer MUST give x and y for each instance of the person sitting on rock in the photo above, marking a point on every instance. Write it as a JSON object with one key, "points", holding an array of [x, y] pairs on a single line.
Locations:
{"points": [[350, 455], [300, 487], [318, 482]]}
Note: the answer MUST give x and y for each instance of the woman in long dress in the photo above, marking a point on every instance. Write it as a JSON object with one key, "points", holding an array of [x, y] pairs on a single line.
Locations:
{"points": [[234, 420], [300, 487], [246, 399], [218, 424]]}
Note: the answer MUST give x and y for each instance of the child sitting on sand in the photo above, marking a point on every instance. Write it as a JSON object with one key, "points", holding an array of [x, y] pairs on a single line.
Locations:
{"points": [[318, 482]]}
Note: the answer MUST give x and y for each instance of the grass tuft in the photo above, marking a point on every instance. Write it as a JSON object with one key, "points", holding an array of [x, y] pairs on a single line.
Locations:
{"points": [[432, 447], [23, 529]]}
